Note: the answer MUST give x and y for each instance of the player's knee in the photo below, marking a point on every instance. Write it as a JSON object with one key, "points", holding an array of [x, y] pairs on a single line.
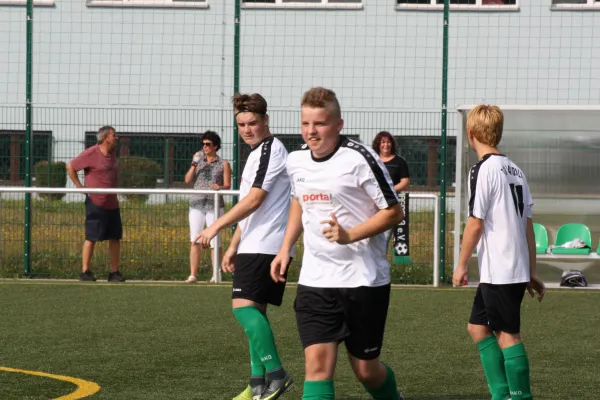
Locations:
{"points": [[320, 363], [369, 372], [478, 332]]}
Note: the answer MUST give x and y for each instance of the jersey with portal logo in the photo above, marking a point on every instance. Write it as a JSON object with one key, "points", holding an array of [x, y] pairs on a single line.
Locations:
{"points": [[353, 184], [263, 230], [499, 195]]}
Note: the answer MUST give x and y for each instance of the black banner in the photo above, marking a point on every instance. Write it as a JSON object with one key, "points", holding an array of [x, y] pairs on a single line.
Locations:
{"points": [[401, 241]]}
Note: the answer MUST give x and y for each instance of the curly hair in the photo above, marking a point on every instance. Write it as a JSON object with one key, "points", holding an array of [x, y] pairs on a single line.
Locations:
{"points": [[213, 137]]}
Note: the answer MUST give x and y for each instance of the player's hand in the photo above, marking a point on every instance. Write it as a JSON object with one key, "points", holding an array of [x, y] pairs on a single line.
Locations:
{"points": [[334, 232], [279, 266], [536, 285], [228, 263], [460, 276], [214, 186], [204, 237]]}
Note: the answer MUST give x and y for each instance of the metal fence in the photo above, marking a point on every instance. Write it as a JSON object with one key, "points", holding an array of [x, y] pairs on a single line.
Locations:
{"points": [[156, 238]]}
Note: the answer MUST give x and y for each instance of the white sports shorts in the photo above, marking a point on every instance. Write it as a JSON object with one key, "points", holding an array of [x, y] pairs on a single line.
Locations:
{"points": [[198, 218]]}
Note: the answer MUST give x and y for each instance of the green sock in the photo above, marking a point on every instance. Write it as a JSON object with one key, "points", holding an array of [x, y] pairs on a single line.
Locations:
{"points": [[257, 368], [516, 364], [318, 390], [388, 390], [493, 367], [260, 335]]}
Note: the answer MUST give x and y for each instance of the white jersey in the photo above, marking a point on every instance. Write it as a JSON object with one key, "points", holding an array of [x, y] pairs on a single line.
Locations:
{"points": [[263, 230], [499, 195], [353, 184]]}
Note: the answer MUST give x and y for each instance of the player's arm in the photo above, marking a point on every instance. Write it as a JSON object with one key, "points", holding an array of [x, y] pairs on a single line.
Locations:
{"points": [[294, 228], [226, 176], [241, 210], [380, 222], [191, 174], [531, 246], [480, 192], [235, 239], [73, 175], [471, 235]]}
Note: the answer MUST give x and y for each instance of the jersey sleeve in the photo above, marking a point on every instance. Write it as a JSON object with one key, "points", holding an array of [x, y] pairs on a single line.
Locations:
{"points": [[82, 161], [271, 164], [374, 178], [290, 174], [529, 204], [480, 186], [402, 168]]}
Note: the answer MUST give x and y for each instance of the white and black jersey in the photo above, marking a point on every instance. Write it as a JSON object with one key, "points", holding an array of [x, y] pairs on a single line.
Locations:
{"points": [[353, 184], [499, 195], [263, 230]]}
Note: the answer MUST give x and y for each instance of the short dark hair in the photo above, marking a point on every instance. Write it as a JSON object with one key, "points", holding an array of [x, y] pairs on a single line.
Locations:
{"points": [[213, 137], [253, 103], [381, 135]]}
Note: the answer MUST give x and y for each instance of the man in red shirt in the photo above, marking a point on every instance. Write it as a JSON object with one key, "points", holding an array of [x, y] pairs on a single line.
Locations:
{"points": [[102, 215]]}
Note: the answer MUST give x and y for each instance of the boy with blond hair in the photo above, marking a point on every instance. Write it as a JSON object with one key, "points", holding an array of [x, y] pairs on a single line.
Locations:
{"points": [[500, 225], [344, 201]]}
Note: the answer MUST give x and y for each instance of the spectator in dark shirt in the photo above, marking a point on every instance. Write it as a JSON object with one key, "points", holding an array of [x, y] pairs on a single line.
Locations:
{"points": [[385, 145]]}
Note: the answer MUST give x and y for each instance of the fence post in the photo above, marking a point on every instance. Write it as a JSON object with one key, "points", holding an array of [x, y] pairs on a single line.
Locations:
{"points": [[442, 209], [28, 139], [236, 88]]}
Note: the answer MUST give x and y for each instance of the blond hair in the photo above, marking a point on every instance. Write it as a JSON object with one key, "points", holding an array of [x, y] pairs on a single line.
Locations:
{"points": [[253, 103], [319, 97], [485, 122]]}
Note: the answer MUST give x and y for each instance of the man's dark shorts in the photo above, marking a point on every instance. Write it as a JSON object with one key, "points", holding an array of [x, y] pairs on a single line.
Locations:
{"points": [[252, 279], [101, 224]]}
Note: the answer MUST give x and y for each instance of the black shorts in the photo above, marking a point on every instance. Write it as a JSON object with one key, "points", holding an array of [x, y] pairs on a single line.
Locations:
{"points": [[252, 279], [498, 306], [102, 224], [355, 316]]}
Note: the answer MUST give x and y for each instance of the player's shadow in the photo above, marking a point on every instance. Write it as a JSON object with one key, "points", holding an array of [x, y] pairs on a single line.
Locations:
{"points": [[445, 397]]}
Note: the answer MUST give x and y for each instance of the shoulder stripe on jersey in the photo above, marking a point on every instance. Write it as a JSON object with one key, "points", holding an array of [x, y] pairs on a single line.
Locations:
{"points": [[386, 189], [473, 174], [263, 164]]}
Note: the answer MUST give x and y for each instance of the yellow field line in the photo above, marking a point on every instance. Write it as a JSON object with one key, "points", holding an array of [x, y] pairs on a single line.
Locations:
{"points": [[84, 388]]}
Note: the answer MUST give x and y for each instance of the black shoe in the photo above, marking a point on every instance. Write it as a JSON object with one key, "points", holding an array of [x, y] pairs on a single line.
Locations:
{"points": [[87, 276], [115, 277]]}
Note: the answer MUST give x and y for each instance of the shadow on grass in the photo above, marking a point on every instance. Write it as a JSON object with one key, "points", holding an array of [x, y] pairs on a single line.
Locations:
{"points": [[445, 397]]}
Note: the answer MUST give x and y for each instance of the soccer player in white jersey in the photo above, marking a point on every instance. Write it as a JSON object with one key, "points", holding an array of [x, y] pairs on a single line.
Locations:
{"points": [[500, 225], [344, 201], [262, 214]]}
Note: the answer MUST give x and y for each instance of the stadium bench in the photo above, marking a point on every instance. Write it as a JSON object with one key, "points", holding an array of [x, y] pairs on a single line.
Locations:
{"points": [[541, 238], [567, 233]]}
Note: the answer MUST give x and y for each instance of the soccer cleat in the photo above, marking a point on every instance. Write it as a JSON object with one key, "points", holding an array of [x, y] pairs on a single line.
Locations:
{"points": [[250, 393], [277, 387]]}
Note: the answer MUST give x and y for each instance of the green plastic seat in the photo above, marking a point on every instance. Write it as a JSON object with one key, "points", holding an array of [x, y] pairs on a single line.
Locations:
{"points": [[541, 238], [568, 232]]}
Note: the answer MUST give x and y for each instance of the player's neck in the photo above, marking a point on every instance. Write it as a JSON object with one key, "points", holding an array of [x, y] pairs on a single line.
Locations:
{"points": [[483, 150], [211, 158]]}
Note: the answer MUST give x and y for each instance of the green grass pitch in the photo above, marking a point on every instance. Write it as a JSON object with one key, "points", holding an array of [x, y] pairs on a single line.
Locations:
{"points": [[171, 341]]}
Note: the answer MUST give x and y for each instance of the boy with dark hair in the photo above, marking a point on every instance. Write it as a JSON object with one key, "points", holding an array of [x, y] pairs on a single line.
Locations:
{"points": [[262, 214]]}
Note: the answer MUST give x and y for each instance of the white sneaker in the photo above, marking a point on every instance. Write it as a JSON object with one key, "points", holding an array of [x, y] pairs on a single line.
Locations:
{"points": [[191, 279]]}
